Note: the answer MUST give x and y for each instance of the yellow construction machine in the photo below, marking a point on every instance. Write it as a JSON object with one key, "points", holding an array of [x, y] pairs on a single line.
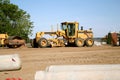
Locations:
{"points": [[11, 41], [69, 35], [3, 37]]}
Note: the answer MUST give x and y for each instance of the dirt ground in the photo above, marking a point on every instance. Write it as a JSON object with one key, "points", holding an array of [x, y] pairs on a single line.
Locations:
{"points": [[34, 59]]}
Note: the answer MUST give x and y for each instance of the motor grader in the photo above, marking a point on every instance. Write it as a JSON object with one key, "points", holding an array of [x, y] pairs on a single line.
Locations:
{"points": [[69, 35]]}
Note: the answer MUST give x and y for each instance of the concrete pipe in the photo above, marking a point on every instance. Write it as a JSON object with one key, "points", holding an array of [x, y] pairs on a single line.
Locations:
{"points": [[80, 75], [61, 68], [10, 62]]}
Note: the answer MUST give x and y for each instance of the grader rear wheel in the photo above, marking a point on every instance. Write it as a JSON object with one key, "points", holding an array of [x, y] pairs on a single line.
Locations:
{"points": [[79, 42], [89, 42], [43, 43]]}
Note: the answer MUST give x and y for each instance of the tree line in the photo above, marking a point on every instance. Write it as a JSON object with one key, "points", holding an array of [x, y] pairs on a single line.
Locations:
{"points": [[14, 21]]}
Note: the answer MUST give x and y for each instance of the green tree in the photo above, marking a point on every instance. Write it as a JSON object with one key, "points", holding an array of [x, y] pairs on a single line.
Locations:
{"points": [[14, 20]]}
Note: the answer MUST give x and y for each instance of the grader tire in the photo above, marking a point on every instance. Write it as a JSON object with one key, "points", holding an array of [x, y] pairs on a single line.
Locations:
{"points": [[89, 42], [79, 42], [43, 43], [34, 44]]}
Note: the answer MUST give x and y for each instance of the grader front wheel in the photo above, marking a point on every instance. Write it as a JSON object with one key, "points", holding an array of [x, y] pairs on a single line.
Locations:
{"points": [[89, 42], [43, 43], [79, 42]]}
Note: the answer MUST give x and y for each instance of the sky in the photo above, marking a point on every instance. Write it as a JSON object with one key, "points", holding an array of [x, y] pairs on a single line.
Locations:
{"points": [[102, 16]]}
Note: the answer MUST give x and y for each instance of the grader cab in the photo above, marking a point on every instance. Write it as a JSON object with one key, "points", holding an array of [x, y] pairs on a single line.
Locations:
{"points": [[75, 36], [70, 33]]}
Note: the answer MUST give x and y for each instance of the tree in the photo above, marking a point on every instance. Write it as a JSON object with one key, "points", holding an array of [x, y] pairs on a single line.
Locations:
{"points": [[14, 20]]}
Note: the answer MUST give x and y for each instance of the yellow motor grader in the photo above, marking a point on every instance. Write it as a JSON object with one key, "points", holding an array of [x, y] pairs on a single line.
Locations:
{"points": [[69, 35]]}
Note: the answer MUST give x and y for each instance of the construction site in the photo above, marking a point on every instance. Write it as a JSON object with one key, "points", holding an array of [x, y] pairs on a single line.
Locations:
{"points": [[36, 59], [70, 47]]}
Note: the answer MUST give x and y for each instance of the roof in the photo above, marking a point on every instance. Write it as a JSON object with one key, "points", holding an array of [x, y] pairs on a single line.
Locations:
{"points": [[70, 22]]}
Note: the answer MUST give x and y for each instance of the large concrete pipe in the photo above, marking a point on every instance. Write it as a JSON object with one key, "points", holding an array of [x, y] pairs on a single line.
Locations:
{"points": [[61, 68], [10, 62], [80, 75], [80, 72]]}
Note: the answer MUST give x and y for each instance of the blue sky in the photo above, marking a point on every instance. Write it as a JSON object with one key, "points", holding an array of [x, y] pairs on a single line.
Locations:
{"points": [[102, 16]]}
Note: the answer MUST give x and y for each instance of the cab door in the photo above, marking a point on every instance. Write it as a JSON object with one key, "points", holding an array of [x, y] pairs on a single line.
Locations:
{"points": [[71, 30]]}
